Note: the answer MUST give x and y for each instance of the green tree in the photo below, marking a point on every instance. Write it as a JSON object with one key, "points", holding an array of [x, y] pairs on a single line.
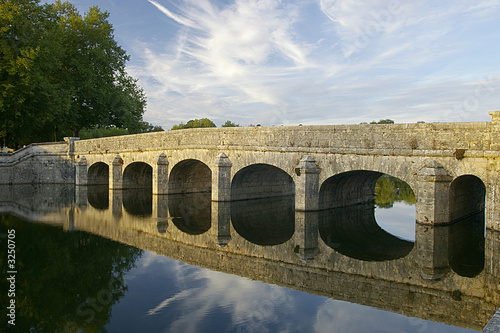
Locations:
{"points": [[230, 124], [195, 123], [106, 131], [61, 72], [383, 121], [28, 94], [145, 127], [93, 72]]}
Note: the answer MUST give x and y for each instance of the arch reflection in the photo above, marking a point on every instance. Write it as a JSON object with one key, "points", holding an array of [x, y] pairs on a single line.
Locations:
{"points": [[138, 202], [191, 213], [98, 196], [269, 221], [466, 247], [354, 232]]}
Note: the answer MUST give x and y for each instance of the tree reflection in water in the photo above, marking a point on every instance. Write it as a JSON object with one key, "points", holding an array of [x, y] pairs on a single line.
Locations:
{"points": [[390, 189], [67, 281]]}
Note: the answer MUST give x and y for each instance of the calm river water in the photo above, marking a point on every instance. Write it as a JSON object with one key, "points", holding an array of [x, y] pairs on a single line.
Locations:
{"points": [[95, 261]]}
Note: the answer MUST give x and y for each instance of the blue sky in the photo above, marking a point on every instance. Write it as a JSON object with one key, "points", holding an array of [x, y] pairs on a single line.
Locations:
{"points": [[292, 62]]}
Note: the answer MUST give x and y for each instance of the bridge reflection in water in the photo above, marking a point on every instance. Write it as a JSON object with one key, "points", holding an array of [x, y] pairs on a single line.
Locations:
{"points": [[449, 274]]}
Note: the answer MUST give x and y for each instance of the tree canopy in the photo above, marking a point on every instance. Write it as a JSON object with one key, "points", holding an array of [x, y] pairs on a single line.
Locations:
{"points": [[229, 123], [195, 123], [61, 72], [383, 121]]}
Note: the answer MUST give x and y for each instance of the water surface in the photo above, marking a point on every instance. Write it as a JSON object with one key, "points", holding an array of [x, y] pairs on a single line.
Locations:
{"points": [[132, 262]]}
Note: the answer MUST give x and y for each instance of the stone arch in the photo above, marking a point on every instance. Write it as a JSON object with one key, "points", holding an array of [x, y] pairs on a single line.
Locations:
{"points": [[98, 174], [138, 175], [404, 168], [466, 247], [190, 176], [348, 188], [467, 196], [263, 204], [261, 181]]}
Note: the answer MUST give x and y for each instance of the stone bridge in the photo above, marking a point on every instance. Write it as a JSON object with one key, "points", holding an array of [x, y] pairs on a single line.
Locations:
{"points": [[452, 168]]}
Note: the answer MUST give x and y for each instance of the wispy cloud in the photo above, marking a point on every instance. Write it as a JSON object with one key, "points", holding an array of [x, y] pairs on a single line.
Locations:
{"points": [[243, 299], [176, 18], [277, 62]]}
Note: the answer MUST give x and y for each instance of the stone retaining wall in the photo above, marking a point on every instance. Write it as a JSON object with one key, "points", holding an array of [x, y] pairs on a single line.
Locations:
{"points": [[41, 163]]}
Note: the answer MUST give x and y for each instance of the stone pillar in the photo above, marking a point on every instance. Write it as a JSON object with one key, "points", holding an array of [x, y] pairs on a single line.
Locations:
{"points": [[433, 195], [306, 234], [495, 130], [81, 172], [116, 174], [431, 247], [221, 222], [160, 175], [221, 178], [492, 209], [307, 185], [71, 146], [492, 264]]}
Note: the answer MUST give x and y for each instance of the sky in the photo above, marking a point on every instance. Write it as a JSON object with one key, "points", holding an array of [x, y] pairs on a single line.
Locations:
{"points": [[311, 62]]}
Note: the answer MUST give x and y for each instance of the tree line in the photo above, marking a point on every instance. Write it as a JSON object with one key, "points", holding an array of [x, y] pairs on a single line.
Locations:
{"points": [[203, 122], [62, 72]]}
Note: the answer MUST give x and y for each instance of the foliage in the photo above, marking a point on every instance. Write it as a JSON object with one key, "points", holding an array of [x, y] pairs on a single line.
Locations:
{"points": [[27, 94], [195, 123], [230, 124], [383, 121], [66, 280], [101, 132], [389, 189], [61, 71], [145, 127]]}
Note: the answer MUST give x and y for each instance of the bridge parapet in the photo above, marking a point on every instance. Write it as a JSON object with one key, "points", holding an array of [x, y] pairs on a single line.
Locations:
{"points": [[389, 139]]}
